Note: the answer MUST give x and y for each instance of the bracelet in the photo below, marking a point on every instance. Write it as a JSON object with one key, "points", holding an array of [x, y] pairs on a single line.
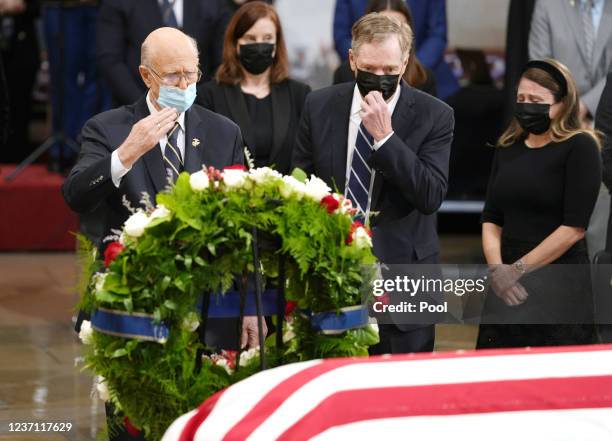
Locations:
{"points": [[520, 266]]}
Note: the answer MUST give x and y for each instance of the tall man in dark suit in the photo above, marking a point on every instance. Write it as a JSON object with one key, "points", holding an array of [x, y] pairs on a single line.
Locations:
{"points": [[387, 146], [137, 148], [124, 24]]}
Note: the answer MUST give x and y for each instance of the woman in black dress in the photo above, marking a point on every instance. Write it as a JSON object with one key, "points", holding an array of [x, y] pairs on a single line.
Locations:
{"points": [[416, 75], [543, 187], [252, 87]]}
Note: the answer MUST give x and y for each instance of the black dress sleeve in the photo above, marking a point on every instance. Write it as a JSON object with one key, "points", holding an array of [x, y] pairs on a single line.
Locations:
{"points": [[491, 212], [582, 181]]}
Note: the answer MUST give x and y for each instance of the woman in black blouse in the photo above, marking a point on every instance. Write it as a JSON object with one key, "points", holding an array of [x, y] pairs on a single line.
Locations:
{"points": [[543, 187], [252, 87]]}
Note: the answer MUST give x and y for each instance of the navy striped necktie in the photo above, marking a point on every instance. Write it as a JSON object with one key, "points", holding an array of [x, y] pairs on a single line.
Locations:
{"points": [[168, 16], [173, 161], [360, 177]]}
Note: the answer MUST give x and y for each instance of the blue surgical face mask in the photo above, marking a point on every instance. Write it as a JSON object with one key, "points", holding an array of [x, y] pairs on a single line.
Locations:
{"points": [[180, 99]]}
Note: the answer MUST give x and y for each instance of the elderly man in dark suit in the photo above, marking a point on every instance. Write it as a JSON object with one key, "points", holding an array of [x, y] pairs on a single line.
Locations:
{"points": [[124, 24], [138, 148], [386, 146]]}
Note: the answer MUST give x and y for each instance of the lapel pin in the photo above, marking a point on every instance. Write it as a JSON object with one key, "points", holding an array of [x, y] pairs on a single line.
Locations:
{"points": [[195, 142]]}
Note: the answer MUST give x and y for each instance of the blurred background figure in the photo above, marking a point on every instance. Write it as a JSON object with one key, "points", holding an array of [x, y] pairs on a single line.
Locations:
{"points": [[429, 20], [585, 46], [517, 49], [252, 86], [20, 53], [603, 123], [76, 92], [544, 159], [416, 74], [124, 24]]}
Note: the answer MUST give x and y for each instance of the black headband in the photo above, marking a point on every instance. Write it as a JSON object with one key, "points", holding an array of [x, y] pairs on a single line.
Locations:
{"points": [[552, 71]]}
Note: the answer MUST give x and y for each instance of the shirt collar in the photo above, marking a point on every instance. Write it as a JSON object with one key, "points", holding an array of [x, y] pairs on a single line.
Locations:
{"points": [[357, 99], [153, 111]]}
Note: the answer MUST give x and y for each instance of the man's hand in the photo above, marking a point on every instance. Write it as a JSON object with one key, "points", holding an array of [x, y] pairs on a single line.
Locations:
{"points": [[250, 333], [375, 116], [145, 135]]}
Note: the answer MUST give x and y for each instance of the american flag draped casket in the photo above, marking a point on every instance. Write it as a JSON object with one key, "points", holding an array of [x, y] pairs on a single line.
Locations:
{"points": [[524, 394]]}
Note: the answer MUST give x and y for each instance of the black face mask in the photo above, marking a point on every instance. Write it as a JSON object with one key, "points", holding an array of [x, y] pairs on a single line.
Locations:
{"points": [[256, 57], [533, 117], [385, 84]]}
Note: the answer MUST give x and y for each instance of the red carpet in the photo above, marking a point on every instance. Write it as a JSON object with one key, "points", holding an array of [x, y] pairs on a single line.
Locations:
{"points": [[34, 214]]}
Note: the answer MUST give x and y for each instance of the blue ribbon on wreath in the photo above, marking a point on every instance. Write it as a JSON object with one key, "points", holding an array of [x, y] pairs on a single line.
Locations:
{"points": [[337, 322], [129, 325]]}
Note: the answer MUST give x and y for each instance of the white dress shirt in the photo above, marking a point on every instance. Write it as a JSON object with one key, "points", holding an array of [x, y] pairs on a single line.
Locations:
{"points": [[177, 7], [118, 171], [355, 122]]}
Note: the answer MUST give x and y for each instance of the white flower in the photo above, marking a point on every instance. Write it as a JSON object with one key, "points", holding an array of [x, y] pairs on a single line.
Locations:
{"points": [[98, 279], [122, 238], [292, 186], [199, 181], [86, 332], [361, 238], [247, 356], [191, 322], [234, 178], [374, 327], [289, 334], [316, 189], [160, 212], [264, 174], [136, 224], [102, 389], [225, 365], [345, 204]]}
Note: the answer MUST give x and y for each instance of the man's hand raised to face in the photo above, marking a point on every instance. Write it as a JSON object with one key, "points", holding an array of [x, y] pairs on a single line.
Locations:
{"points": [[375, 116], [145, 135]]}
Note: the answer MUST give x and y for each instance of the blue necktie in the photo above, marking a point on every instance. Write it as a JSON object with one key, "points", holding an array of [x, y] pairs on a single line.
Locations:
{"points": [[168, 17], [358, 187], [172, 155]]}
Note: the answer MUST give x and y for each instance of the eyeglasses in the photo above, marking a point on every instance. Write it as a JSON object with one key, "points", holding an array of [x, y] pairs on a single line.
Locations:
{"points": [[172, 79]]}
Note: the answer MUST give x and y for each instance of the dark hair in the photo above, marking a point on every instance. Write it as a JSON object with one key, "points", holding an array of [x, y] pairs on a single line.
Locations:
{"points": [[415, 74], [230, 71]]}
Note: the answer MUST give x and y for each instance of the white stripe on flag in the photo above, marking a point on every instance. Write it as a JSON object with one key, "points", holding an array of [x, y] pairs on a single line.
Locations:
{"points": [[560, 425], [427, 372]]}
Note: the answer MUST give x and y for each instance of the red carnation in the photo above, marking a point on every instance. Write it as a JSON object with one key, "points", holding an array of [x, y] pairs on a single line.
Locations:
{"points": [[111, 252], [330, 203], [235, 167], [289, 307], [356, 224], [132, 430], [230, 357]]}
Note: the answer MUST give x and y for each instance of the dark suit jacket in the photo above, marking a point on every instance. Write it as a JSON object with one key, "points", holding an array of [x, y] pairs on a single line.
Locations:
{"points": [[411, 167], [287, 102], [124, 24], [429, 18], [89, 183], [603, 122], [344, 74]]}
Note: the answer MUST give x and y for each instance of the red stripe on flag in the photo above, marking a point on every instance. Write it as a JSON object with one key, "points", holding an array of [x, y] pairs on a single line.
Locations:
{"points": [[194, 423], [452, 399]]}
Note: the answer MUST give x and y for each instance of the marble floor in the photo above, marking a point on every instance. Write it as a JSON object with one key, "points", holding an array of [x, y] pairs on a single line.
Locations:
{"points": [[40, 380]]}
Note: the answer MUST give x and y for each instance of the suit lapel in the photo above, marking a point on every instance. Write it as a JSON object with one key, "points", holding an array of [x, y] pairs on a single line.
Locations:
{"points": [[153, 160], [281, 107], [195, 141], [238, 110], [190, 16], [401, 122], [339, 116], [604, 32], [572, 14], [154, 14]]}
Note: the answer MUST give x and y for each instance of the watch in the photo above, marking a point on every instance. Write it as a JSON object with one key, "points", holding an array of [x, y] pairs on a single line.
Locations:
{"points": [[520, 266]]}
